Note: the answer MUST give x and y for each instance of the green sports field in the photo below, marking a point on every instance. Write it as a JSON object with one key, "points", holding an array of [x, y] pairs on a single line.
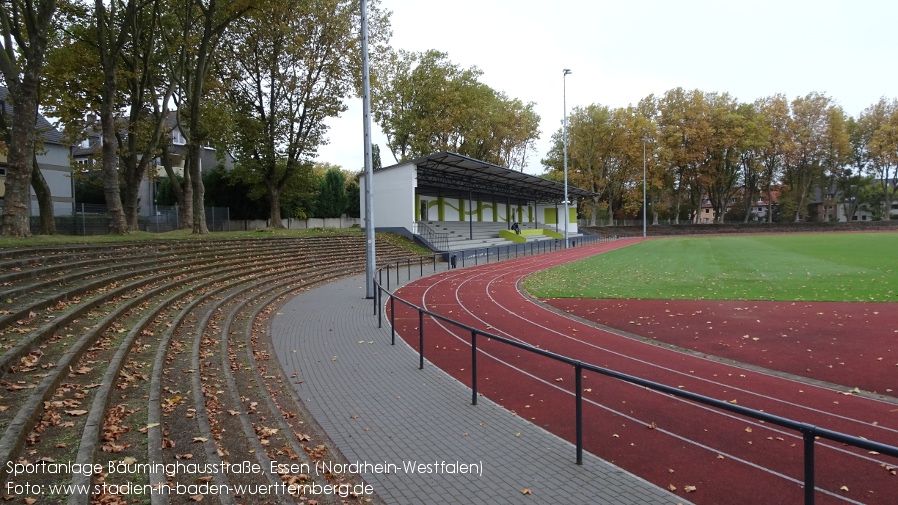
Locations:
{"points": [[814, 267]]}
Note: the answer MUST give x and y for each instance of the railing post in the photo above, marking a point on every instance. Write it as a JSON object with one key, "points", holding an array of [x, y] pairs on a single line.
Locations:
{"points": [[388, 276], [397, 273], [422, 266], [420, 339], [408, 264], [380, 310], [473, 367], [392, 319], [579, 386], [808, 466]]}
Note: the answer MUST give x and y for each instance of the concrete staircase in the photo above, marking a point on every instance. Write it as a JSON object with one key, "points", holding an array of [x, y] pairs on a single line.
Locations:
{"points": [[464, 235]]}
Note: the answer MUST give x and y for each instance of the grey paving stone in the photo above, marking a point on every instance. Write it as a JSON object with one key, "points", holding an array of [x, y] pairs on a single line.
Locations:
{"points": [[422, 416]]}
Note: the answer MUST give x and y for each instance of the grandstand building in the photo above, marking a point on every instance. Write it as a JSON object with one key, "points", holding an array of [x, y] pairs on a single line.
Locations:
{"points": [[453, 202]]}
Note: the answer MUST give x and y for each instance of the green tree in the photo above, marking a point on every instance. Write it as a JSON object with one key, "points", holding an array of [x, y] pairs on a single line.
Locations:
{"points": [[332, 198], [591, 153], [775, 123], [754, 140], [684, 132], [131, 88], [25, 29], [226, 190], [285, 79], [375, 156], [426, 103], [195, 30], [879, 131], [353, 195], [165, 194], [837, 157], [721, 170]]}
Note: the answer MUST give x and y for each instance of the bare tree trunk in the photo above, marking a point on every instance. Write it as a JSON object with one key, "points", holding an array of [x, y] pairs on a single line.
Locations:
{"points": [[130, 204], [21, 65], [44, 199], [274, 194], [199, 191], [109, 45], [678, 199], [183, 191], [20, 156], [610, 207], [111, 187]]}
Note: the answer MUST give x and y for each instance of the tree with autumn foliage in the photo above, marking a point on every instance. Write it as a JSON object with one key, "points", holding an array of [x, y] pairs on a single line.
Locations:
{"points": [[878, 140], [424, 103], [285, 78]]}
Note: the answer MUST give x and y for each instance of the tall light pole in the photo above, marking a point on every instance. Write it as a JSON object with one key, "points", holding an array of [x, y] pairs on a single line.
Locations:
{"points": [[644, 204], [370, 257], [564, 141]]}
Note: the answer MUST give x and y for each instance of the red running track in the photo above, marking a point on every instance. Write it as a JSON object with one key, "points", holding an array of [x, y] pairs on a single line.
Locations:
{"points": [[670, 442]]}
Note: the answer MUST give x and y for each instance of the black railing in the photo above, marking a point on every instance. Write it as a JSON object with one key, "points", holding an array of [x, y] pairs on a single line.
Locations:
{"points": [[439, 241], [808, 432]]}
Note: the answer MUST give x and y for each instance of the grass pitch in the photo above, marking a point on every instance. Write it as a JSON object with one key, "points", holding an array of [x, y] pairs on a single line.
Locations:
{"points": [[851, 267]]}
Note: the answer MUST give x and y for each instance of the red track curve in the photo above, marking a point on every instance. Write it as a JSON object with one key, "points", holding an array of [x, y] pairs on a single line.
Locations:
{"points": [[670, 442]]}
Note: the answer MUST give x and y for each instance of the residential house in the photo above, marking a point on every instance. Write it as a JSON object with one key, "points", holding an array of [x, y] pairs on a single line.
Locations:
{"points": [[759, 207], [53, 161], [86, 151], [829, 205]]}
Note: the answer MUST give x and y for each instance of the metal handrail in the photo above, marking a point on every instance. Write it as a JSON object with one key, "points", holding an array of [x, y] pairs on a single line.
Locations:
{"points": [[809, 432], [440, 241]]}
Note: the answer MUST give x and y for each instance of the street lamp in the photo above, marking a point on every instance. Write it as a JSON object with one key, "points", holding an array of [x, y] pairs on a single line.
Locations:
{"points": [[564, 141], [644, 204]]}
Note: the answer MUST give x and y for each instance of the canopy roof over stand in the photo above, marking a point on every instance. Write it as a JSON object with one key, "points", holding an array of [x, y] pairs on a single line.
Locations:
{"points": [[446, 173]]}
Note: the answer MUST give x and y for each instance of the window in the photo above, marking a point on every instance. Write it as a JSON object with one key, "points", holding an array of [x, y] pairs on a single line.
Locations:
{"points": [[177, 138], [85, 143]]}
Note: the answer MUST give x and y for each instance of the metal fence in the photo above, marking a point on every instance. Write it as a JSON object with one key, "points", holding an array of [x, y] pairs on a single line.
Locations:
{"points": [[809, 433], [93, 219]]}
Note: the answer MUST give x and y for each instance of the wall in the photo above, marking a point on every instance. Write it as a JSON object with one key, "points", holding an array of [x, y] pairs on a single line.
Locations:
{"points": [[297, 224], [394, 197], [57, 171], [548, 215]]}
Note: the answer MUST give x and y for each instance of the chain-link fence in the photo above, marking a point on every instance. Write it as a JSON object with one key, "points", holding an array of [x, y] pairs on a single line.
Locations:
{"points": [[93, 219]]}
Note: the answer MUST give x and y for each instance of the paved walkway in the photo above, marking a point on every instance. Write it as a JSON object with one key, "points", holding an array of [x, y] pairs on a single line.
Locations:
{"points": [[380, 409]]}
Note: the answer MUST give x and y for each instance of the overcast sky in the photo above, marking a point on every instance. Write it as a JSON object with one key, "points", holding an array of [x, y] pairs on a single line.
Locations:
{"points": [[622, 51]]}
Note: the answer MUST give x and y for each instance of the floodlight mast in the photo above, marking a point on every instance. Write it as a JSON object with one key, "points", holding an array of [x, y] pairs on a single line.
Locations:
{"points": [[370, 258], [644, 201], [567, 71]]}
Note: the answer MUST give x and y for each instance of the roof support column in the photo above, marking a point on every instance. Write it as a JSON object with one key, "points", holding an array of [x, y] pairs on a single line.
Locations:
{"points": [[507, 213], [470, 215]]}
